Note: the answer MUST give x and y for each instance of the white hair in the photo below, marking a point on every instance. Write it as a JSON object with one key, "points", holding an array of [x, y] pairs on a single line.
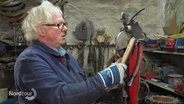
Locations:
{"points": [[36, 16]]}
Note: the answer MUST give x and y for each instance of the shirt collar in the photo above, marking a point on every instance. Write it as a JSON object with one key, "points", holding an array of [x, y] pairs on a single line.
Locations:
{"points": [[61, 50]]}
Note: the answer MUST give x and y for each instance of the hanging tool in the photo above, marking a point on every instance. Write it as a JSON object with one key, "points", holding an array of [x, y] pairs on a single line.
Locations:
{"points": [[102, 39], [82, 33], [92, 57]]}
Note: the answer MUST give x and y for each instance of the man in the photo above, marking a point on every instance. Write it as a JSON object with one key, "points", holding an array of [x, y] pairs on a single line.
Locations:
{"points": [[49, 71]]}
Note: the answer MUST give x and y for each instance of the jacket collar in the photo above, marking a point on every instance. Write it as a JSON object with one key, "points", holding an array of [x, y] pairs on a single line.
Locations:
{"points": [[51, 50]]}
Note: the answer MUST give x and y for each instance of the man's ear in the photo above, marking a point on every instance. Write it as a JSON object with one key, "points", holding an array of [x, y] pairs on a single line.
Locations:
{"points": [[40, 30]]}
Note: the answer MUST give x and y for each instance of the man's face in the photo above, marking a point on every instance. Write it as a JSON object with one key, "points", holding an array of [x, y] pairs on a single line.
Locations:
{"points": [[54, 33]]}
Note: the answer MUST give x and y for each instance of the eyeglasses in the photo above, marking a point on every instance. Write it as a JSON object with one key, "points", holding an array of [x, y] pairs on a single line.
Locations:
{"points": [[59, 25]]}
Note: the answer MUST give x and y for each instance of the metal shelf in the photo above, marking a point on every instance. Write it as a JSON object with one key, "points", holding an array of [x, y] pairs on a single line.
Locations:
{"points": [[163, 52], [162, 85]]}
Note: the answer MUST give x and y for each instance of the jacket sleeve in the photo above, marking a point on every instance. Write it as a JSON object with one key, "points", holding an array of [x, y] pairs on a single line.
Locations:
{"points": [[33, 72]]}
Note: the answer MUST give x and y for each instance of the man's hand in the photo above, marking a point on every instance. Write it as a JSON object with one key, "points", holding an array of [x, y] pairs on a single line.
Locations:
{"points": [[114, 74]]}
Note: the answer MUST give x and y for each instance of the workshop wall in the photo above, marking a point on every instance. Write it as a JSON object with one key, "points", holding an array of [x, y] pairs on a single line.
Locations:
{"points": [[106, 14]]}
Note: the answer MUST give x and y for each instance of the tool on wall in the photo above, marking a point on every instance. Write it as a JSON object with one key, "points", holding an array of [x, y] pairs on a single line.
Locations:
{"points": [[133, 52], [92, 56], [82, 33], [102, 39]]}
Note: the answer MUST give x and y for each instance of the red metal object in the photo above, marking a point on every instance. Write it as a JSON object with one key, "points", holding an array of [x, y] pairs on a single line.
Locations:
{"points": [[170, 43], [179, 87], [148, 75], [133, 71]]}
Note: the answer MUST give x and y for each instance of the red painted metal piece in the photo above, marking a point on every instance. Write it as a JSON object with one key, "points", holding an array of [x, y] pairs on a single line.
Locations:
{"points": [[133, 71]]}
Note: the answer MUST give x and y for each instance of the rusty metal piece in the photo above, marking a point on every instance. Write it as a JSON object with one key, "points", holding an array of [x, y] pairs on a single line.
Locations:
{"points": [[15, 13], [13, 8], [80, 45], [118, 40], [71, 47], [13, 3], [144, 90], [172, 28], [5, 2], [15, 18], [161, 99]]}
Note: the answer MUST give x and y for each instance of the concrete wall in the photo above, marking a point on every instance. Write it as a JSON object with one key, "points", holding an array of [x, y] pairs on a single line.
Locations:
{"points": [[106, 14]]}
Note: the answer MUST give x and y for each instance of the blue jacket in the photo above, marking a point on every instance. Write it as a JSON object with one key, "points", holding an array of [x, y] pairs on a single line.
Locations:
{"points": [[45, 74]]}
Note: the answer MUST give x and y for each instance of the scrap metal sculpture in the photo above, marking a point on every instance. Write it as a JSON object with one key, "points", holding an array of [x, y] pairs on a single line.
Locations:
{"points": [[133, 52]]}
